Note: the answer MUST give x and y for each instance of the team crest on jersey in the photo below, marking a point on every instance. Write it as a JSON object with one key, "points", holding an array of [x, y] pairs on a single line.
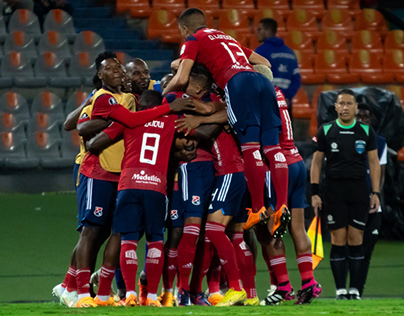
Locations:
{"points": [[174, 215], [360, 146], [98, 211], [112, 101], [84, 116], [196, 200]]}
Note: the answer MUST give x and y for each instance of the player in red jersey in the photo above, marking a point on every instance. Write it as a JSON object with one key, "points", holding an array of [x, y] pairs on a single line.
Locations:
{"points": [[274, 255], [251, 105]]}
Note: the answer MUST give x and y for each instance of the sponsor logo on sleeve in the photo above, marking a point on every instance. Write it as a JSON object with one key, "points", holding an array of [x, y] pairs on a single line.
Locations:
{"points": [[112, 101]]}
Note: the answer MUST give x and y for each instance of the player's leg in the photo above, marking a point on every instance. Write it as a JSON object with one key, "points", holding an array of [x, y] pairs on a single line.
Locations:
{"points": [[101, 196], [297, 202], [226, 200], [195, 184], [155, 205], [128, 221], [213, 279]]}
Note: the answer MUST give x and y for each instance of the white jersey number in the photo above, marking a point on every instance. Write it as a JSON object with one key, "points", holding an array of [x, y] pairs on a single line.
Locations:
{"points": [[148, 138], [236, 50]]}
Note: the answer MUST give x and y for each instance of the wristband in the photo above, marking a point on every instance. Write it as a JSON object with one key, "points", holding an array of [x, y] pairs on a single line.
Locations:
{"points": [[376, 193], [315, 189]]}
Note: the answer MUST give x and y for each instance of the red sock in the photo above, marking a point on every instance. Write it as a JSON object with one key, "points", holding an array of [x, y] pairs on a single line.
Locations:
{"points": [[128, 262], [203, 258], [186, 253], [70, 280], [279, 173], [268, 262], [214, 273], [254, 171], [106, 276], [83, 281], [170, 267], [225, 250], [278, 265], [245, 262], [305, 265], [154, 265]]}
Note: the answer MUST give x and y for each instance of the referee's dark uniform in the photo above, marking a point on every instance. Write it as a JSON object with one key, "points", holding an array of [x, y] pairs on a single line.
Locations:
{"points": [[346, 193]]}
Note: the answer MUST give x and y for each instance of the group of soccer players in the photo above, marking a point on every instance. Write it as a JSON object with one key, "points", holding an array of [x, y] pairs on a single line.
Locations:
{"points": [[214, 160]]}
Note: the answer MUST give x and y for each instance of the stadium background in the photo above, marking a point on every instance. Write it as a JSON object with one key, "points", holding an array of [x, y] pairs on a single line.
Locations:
{"points": [[38, 229]]}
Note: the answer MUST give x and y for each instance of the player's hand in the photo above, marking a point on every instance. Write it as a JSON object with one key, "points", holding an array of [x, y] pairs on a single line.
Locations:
{"points": [[182, 104], [188, 155], [174, 65], [374, 203], [316, 203], [188, 123]]}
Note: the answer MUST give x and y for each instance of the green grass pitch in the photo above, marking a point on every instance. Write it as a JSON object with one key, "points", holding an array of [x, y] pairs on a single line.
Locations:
{"points": [[38, 235]]}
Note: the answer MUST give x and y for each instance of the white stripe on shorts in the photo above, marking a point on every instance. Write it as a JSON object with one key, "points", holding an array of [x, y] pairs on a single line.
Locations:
{"points": [[184, 183], [230, 113], [225, 187], [89, 193]]}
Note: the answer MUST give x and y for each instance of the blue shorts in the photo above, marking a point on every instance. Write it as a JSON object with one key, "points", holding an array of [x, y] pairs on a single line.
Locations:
{"points": [[228, 193], [76, 168], [296, 187], [241, 216], [195, 182], [96, 199], [140, 211], [176, 218], [251, 101]]}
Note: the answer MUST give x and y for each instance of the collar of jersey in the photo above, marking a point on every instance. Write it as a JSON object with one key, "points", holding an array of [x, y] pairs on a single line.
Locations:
{"points": [[346, 127]]}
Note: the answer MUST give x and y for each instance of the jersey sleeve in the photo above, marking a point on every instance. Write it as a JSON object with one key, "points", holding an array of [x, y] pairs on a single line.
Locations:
{"points": [[189, 49], [104, 105], [372, 142], [114, 130], [247, 51]]}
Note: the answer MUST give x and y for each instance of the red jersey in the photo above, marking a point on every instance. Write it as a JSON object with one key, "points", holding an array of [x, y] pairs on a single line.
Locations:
{"points": [[91, 166], [227, 158], [147, 150], [286, 136], [219, 52]]}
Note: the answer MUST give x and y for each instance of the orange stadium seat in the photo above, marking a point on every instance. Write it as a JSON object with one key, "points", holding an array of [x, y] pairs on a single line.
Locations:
{"points": [[70, 144], [82, 65], [44, 147], [394, 40], [273, 14], [313, 124], [393, 62], [280, 6], [368, 40], [369, 66], [306, 69], [18, 41], [333, 66], [253, 42], [352, 6], [60, 21], [12, 151], [52, 41], [317, 92], [338, 20], [400, 155], [303, 20], [372, 20], [399, 91], [163, 24], [245, 6], [75, 100], [48, 103], [89, 41], [137, 8], [332, 40], [232, 19], [296, 39], [11, 123], [209, 7], [123, 57], [176, 6], [16, 104], [315, 6], [301, 107]]}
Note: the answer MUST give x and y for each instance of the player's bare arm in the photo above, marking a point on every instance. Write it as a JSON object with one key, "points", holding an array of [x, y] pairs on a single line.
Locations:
{"points": [[374, 170], [258, 59], [190, 122], [315, 171], [181, 77], [72, 118], [99, 142], [91, 127]]}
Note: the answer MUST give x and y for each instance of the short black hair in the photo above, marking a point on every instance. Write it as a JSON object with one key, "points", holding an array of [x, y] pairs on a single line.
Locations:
{"points": [[347, 91], [103, 56], [270, 24], [150, 98], [184, 17], [201, 72], [97, 82]]}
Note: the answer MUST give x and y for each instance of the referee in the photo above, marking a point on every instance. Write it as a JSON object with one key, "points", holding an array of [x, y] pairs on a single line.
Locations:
{"points": [[344, 143]]}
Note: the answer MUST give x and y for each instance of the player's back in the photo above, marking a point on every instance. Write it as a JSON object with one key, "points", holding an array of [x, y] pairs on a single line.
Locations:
{"points": [[219, 52]]}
